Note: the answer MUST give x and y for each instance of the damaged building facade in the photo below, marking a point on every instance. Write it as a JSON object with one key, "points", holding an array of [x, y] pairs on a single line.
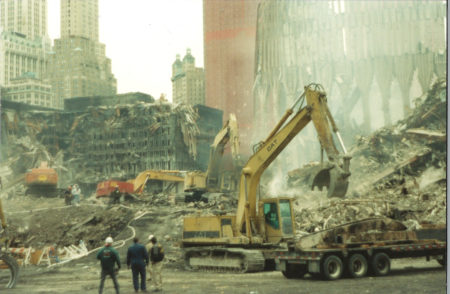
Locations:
{"points": [[368, 55], [88, 144]]}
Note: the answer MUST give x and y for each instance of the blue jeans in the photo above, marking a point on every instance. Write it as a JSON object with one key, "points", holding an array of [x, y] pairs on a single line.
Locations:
{"points": [[138, 269]]}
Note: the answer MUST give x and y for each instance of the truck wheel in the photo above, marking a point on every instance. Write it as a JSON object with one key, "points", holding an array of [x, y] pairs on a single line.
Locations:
{"points": [[357, 266], [332, 268], [381, 264], [294, 271]]}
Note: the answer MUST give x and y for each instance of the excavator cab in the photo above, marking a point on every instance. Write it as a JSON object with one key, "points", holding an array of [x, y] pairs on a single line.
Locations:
{"points": [[278, 220]]}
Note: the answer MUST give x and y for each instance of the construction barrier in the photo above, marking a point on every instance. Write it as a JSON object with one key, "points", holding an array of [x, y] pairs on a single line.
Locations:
{"points": [[49, 255]]}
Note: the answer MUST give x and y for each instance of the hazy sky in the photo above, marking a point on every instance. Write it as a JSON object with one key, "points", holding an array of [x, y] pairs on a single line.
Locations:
{"points": [[142, 38]]}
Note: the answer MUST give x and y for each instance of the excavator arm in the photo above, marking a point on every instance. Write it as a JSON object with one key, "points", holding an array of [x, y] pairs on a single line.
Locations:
{"points": [[229, 133], [316, 110], [164, 175], [2, 216]]}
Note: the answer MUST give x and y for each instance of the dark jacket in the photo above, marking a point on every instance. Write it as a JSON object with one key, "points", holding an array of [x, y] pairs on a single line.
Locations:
{"points": [[114, 197], [154, 256], [137, 254], [108, 256]]}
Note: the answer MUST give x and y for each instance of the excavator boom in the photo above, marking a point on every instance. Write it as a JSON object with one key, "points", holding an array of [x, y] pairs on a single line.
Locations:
{"points": [[2, 215], [162, 175], [229, 133], [215, 179], [316, 110]]}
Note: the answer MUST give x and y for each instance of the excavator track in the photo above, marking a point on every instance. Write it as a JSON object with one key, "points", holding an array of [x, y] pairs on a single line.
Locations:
{"points": [[235, 260]]}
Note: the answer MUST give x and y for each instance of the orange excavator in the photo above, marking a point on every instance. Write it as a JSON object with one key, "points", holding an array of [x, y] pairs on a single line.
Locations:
{"points": [[42, 181]]}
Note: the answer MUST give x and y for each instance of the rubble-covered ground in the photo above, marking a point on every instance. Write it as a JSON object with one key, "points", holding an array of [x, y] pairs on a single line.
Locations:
{"points": [[398, 171], [38, 222]]}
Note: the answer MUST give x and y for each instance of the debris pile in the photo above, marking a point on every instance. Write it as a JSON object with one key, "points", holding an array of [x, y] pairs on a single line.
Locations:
{"points": [[66, 226], [398, 172]]}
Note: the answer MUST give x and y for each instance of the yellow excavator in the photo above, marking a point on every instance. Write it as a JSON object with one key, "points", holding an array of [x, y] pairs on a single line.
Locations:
{"points": [[9, 269], [139, 182], [246, 242], [215, 179]]}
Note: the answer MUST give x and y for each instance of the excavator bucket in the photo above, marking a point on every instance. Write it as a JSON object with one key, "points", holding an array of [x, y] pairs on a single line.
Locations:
{"points": [[333, 178]]}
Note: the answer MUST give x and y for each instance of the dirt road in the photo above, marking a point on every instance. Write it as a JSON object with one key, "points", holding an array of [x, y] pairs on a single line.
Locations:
{"points": [[407, 276]]}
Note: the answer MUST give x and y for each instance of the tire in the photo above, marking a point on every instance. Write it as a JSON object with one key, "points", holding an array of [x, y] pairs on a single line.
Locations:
{"points": [[294, 271], [381, 264], [357, 266], [332, 268], [13, 269]]}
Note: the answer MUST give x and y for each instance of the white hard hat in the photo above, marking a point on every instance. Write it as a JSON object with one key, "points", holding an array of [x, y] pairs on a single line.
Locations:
{"points": [[150, 236], [109, 240]]}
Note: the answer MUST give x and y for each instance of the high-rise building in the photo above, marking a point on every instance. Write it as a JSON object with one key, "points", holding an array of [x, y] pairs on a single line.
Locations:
{"points": [[29, 18], [79, 66], [24, 44], [30, 90], [188, 81], [229, 44], [79, 18]]}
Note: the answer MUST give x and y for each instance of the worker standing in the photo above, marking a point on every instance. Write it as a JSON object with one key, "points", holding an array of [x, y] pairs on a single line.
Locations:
{"points": [[148, 247], [137, 258], [114, 197], [108, 257], [156, 258], [68, 195], [76, 194]]}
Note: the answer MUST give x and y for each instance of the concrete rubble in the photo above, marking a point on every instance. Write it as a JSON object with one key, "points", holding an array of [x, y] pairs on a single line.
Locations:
{"points": [[397, 172]]}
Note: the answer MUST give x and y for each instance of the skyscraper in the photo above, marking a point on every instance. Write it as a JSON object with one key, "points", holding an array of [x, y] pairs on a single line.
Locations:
{"points": [[79, 18], [24, 44], [188, 81], [28, 18], [229, 44], [79, 66]]}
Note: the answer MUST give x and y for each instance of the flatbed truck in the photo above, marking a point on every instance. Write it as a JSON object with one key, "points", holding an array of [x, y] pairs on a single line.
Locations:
{"points": [[331, 260]]}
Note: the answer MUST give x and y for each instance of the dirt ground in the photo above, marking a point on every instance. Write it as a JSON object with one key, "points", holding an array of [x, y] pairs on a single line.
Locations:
{"points": [[82, 276]]}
